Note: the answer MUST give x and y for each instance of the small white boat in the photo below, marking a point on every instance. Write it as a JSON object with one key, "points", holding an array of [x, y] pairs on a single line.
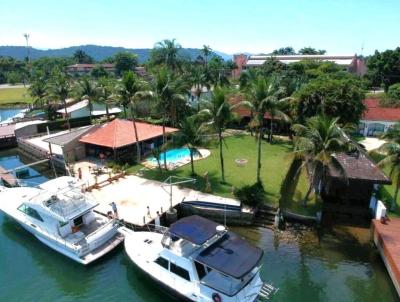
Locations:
{"points": [[60, 216], [198, 260]]}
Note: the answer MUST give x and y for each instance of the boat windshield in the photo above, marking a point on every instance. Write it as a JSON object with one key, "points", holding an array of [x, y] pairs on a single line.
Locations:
{"points": [[221, 282]]}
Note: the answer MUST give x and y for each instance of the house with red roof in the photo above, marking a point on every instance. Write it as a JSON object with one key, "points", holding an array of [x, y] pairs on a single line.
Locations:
{"points": [[376, 119], [117, 140]]}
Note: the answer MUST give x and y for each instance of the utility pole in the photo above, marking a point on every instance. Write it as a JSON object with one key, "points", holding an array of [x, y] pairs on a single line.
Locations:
{"points": [[27, 47]]}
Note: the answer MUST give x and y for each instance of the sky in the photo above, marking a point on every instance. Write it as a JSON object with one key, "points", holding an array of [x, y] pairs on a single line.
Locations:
{"points": [[230, 26]]}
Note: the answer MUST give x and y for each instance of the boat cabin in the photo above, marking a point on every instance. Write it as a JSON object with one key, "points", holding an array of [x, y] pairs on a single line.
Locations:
{"points": [[197, 249]]}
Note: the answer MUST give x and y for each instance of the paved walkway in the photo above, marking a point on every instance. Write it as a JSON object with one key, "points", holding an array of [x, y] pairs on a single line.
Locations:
{"points": [[134, 194], [372, 143]]}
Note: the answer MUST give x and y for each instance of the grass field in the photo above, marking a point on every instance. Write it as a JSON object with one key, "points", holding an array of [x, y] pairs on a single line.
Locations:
{"points": [[11, 96], [276, 159]]}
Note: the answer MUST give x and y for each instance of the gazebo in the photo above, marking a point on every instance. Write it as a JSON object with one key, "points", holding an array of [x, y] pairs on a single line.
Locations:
{"points": [[116, 139], [346, 196]]}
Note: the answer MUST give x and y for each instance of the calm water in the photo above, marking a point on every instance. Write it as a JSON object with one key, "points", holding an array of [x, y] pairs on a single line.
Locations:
{"points": [[335, 268]]}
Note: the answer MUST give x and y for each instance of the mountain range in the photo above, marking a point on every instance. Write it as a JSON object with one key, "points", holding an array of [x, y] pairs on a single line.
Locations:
{"points": [[97, 52]]}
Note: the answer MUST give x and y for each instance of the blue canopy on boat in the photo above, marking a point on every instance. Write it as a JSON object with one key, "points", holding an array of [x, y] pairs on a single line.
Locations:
{"points": [[231, 255], [194, 228]]}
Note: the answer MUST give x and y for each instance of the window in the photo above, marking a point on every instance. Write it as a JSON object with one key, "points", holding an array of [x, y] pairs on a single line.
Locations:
{"points": [[78, 221], [29, 211], [181, 272], [201, 270], [162, 262]]}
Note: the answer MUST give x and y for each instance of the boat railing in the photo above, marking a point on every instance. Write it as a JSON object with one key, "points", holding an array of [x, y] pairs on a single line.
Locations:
{"points": [[267, 291], [108, 223]]}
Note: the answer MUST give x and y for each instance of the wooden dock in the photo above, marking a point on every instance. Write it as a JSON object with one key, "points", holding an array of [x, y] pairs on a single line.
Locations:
{"points": [[7, 136], [387, 239], [8, 178]]}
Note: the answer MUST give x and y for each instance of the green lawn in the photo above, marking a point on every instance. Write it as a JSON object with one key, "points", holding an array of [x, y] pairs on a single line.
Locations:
{"points": [[10, 96], [276, 159]]}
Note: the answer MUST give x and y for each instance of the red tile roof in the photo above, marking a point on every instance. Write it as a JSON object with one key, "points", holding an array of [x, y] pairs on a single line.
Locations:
{"points": [[374, 112], [119, 133]]}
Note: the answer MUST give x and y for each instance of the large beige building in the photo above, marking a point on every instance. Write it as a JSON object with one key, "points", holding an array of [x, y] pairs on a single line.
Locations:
{"points": [[350, 63]]}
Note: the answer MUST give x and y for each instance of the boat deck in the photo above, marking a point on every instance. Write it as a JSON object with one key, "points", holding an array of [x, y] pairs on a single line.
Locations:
{"points": [[102, 250], [387, 240], [93, 226]]}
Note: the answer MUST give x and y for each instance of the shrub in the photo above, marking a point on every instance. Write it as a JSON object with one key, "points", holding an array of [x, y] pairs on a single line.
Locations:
{"points": [[394, 92], [251, 195]]}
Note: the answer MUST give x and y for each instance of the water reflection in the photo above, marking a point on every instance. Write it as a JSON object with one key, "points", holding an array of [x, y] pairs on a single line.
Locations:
{"points": [[71, 278]]}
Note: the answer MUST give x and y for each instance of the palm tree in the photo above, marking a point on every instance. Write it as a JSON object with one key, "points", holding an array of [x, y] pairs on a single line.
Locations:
{"points": [[167, 52], [316, 143], [190, 135], [218, 115], [392, 161], [105, 93], [166, 91], [196, 78], [206, 51], [37, 89], [262, 98], [156, 153], [86, 89], [129, 91], [59, 89]]}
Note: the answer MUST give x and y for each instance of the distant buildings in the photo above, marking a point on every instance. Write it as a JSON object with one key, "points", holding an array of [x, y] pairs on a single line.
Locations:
{"points": [[82, 69], [377, 119], [350, 63]]}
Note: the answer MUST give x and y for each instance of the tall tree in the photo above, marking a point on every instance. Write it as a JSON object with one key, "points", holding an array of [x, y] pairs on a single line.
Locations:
{"points": [[384, 68], [105, 93], [167, 52], [191, 135], [284, 51], [59, 89], [391, 150], [125, 61], [196, 77], [316, 142], [332, 97], [37, 89], [262, 97], [86, 89], [311, 51], [166, 90], [206, 51], [130, 90], [82, 57], [392, 161], [218, 114]]}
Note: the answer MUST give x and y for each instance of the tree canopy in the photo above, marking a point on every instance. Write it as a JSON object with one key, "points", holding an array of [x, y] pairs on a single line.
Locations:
{"points": [[384, 68], [332, 97]]}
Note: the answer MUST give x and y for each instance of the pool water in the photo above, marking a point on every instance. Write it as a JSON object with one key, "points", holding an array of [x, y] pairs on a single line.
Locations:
{"points": [[174, 155]]}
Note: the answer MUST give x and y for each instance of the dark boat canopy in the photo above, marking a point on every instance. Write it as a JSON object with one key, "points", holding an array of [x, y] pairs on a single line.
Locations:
{"points": [[231, 255], [194, 228]]}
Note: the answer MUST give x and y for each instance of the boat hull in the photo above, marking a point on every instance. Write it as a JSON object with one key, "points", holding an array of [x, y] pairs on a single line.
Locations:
{"points": [[67, 253], [163, 287]]}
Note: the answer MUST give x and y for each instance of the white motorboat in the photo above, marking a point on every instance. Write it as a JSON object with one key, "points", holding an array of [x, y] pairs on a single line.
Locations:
{"points": [[62, 217], [198, 260]]}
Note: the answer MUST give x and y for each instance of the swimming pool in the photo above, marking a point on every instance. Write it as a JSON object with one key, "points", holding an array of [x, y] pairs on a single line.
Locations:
{"points": [[174, 156]]}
